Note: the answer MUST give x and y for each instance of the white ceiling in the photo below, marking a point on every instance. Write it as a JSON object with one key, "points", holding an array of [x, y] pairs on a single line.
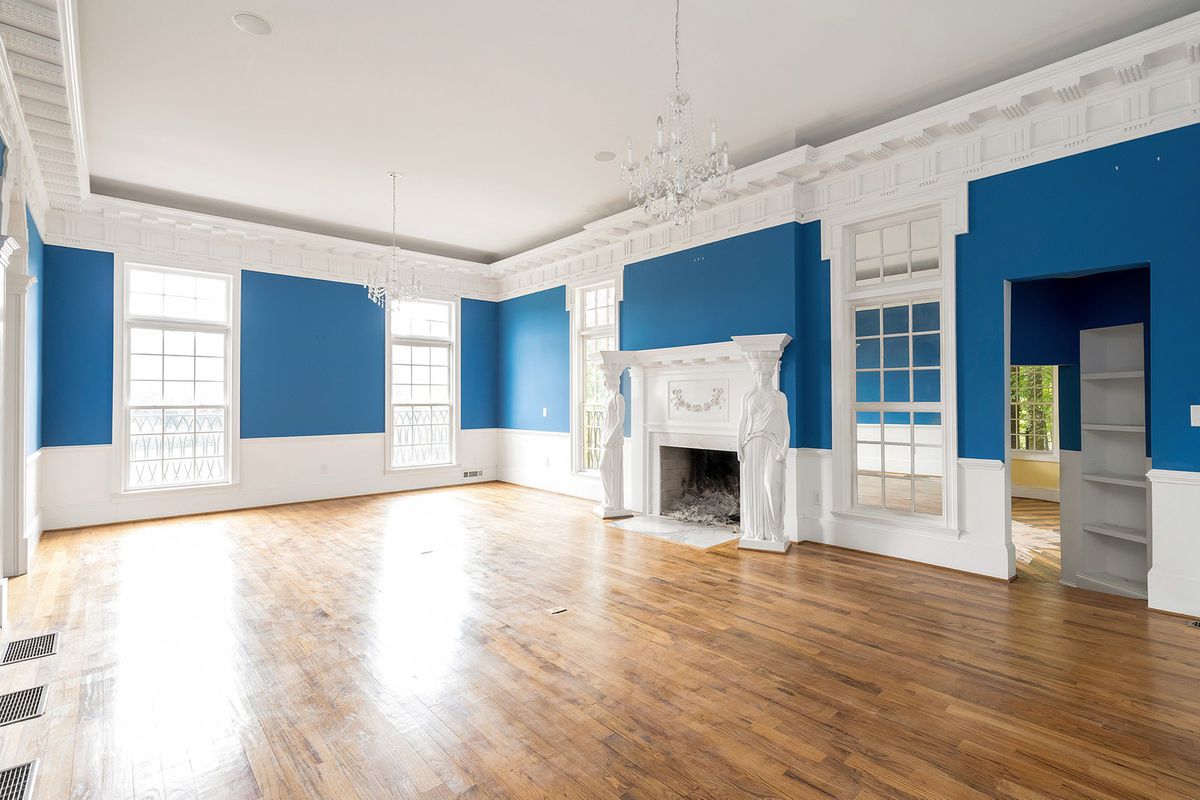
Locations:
{"points": [[493, 110]]}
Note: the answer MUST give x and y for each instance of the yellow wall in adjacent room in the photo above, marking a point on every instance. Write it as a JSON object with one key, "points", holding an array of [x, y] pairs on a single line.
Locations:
{"points": [[1035, 474]]}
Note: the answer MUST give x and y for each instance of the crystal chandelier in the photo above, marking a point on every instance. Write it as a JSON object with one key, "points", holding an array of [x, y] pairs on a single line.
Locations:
{"points": [[385, 284], [671, 181]]}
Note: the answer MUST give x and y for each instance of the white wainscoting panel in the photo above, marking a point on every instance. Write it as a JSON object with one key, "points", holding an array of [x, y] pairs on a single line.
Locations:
{"points": [[542, 460], [77, 487], [1174, 580], [980, 545]]}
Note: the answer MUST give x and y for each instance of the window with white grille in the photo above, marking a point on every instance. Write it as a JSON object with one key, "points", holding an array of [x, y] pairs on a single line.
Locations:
{"points": [[177, 377], [422, 390], [596, 330], [899, 251]]}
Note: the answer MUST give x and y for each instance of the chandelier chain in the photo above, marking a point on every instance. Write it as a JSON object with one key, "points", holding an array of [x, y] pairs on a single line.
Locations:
{"points": [[677, 45], [385, 285]]}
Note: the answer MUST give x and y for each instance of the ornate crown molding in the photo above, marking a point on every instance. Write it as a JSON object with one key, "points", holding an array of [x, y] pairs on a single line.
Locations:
{"points": [[1143, 84], [141, 230]]}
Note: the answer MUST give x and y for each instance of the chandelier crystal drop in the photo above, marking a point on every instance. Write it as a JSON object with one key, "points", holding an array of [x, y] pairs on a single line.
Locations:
{"points": [[386, 283], [671, 182]]}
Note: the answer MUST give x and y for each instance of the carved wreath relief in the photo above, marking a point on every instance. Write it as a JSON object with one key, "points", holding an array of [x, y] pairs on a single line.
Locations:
{"points": [[681, 404]]}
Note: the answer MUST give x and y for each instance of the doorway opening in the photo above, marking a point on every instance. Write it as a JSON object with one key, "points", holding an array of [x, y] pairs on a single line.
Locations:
{"points": [[1077, 429]]}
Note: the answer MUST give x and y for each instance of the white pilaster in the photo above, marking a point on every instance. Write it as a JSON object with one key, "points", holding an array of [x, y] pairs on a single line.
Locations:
{"points": [[1174, 579]]}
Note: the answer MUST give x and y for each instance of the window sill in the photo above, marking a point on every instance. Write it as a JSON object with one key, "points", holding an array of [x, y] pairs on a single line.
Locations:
{"points": [[1032, 455], [186, 489], [419, 468], [911, 523]]}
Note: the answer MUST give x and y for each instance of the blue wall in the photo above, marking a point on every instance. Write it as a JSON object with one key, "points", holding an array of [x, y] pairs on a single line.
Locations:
{"points": [[738, 286], [1047, 316], [1131, 203], [534, 362], [312, 358], [77, 345], [34, 260], [480, 353]]}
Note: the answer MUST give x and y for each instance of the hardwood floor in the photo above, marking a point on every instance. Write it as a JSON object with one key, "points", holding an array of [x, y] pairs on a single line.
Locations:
{"points": [[400, 646], [1036, 537]]}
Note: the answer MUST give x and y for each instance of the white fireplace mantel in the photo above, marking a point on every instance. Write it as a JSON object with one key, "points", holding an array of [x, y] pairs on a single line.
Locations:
{"points": [[687, 396]]}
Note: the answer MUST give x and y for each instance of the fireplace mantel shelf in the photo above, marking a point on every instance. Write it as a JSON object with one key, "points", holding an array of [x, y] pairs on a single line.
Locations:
{"points": [[735, 349]]}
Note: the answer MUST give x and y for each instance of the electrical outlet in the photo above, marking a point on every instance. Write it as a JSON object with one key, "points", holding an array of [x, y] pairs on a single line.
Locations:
{"points": [[547, 463], [1196, 416], [324, 469], [816, 500], [543, 411]]}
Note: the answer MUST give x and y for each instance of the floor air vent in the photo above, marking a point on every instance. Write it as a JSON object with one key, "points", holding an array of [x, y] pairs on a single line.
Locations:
{"points": [[16, 783], [473, 473], [1195, 623], [22, 705], [33, 647]]}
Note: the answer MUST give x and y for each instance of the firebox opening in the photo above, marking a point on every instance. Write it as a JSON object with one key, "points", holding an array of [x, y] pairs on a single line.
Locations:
{"points": [[699, 486]]}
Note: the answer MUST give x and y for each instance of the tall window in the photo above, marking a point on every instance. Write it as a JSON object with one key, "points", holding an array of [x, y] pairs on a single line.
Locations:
{"points": [[596, 309], [1031, 409], [422, 392], [177, 362], [899, 444]]}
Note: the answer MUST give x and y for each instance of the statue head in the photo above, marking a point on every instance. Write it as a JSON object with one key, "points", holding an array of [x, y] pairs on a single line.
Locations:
{"points": [[764, 372], [612, 377]]}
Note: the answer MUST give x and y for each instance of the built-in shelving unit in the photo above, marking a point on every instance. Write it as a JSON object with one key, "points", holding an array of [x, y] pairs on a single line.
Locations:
{"points": [[1115, 539]]}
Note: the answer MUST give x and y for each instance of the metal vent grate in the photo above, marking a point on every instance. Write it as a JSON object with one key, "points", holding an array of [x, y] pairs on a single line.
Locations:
{"points": [[473, 473], [22, 705], [16, 783], [1195, 623], [33, 647]]}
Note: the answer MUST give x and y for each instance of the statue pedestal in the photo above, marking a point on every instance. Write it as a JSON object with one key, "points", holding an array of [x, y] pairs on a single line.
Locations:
{"points": [[604, 512], [765, 545]]}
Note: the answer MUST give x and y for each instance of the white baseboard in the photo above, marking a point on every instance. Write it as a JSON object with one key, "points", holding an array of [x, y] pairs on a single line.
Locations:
{"points": [[1035, 493]]}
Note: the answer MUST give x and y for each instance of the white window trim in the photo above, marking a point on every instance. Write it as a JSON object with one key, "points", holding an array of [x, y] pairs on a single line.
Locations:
{"points": [[574, 294], [837, 247], [1034, 455], [455, 385], [119, 473]]}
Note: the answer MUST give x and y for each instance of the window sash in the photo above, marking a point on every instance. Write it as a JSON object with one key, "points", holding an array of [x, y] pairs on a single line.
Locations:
{"points": [[202, 451], [421, 432], [916, 455], [595, 304]]}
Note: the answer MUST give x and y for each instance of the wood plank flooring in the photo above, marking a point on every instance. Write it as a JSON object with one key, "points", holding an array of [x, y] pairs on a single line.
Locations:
{"points": [[1036, 536], [400, 646]]}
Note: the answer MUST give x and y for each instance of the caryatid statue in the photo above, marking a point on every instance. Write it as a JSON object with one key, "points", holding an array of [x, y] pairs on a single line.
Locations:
{"points": [[612, 442], [764, 436]]}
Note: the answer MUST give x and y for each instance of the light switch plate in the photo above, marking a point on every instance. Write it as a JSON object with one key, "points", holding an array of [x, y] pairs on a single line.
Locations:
{"points": [[1196, 416]]}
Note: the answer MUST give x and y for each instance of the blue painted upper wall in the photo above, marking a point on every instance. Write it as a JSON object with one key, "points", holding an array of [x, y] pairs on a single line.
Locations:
{"points": [[1047, 316], [1131, 203], [312, 361], [534, 362], [480, 353], [77, 346], [34, 260], [738, 286]]}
